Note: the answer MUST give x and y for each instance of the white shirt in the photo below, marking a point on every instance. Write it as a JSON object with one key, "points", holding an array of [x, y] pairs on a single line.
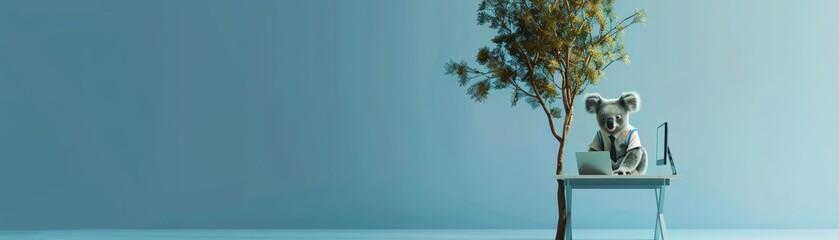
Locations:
{"points": [[620, 140]]}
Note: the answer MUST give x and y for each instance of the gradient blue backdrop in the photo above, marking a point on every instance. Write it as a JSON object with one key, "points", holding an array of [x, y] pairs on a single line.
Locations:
{"points": [[337, 114]]}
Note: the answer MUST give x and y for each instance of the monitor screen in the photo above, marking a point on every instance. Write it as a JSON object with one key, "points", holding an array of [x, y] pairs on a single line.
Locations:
{"points": [[661, 144]]}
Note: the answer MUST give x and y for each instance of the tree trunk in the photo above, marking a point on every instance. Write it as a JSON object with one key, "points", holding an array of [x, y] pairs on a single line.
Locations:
{"points": [[562, 222], [560, 198]]}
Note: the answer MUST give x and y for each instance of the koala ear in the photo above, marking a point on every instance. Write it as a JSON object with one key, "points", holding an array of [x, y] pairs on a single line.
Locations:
{"points": [[592, 102], [631, 101]]}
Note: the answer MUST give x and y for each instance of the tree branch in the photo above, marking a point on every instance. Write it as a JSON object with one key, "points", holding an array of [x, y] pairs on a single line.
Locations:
{"points": [[553, 80], [516, 85], [545, 108], [610, 63], [550, 118], [615, 27], [584, 87]]}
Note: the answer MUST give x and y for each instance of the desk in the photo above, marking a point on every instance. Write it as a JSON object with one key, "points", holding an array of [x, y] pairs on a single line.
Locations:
{"points": [[655, 182]]}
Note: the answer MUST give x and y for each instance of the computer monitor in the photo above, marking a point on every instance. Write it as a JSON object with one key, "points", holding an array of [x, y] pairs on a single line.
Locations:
{"points": [[662, 148], [661, 145]]}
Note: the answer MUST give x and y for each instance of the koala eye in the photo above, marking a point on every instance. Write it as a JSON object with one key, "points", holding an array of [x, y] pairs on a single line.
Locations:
{"points": [[618, 117]]}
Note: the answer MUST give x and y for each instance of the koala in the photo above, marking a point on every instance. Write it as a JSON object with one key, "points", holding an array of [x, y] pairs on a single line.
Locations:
{"points": [[628, 157]]}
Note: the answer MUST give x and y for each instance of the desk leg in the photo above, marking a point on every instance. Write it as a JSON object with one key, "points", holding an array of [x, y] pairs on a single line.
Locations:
{"points": [[657, 223], [660, 227], [568, 228]]}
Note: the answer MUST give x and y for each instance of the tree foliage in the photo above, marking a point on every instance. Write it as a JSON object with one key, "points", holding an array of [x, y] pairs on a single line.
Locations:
{"points": [[546, 52]]}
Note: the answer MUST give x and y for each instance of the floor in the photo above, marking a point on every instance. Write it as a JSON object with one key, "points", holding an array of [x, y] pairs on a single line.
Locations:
{"points": [[411, 234]]}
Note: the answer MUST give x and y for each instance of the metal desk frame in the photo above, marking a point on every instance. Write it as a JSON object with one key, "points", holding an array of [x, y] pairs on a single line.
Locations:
{"points": [[657, 183]]}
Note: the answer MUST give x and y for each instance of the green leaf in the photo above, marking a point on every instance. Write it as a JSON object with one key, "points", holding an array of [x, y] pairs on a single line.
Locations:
{"points": [[515, 98], [640, 17], [483, 56], [553, 64], [461, 70], [479, 90], [556, 113], [532, 102]]}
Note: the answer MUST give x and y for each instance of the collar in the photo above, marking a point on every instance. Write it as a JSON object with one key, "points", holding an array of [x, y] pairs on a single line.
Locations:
{"points": [[618, 135]]}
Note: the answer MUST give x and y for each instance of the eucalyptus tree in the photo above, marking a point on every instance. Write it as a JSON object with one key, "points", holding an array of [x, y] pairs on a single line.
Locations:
{"points": [[546, 53]]}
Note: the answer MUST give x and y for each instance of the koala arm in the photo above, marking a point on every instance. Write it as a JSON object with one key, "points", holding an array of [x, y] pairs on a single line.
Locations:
{"points": [[628, 162]]}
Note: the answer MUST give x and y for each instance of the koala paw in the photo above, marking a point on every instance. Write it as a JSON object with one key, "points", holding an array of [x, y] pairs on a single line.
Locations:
{"points": [[619, 172]]}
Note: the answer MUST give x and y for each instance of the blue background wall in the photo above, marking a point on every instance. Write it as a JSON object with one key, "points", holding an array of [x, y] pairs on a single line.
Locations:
{"points": [[336, 114]]}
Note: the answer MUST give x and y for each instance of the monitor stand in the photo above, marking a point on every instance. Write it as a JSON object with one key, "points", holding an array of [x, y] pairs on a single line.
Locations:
{"points": [[670, 156]]}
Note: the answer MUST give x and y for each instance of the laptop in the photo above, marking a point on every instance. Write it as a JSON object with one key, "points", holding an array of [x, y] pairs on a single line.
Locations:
{"points": [[594, 163]]}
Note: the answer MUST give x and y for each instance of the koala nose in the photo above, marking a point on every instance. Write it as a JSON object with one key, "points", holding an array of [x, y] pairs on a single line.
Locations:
{"points": [[610, 122]]}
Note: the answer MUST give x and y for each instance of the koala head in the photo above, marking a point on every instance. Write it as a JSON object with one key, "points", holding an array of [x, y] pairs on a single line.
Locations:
{"points": [[613, 114]]}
